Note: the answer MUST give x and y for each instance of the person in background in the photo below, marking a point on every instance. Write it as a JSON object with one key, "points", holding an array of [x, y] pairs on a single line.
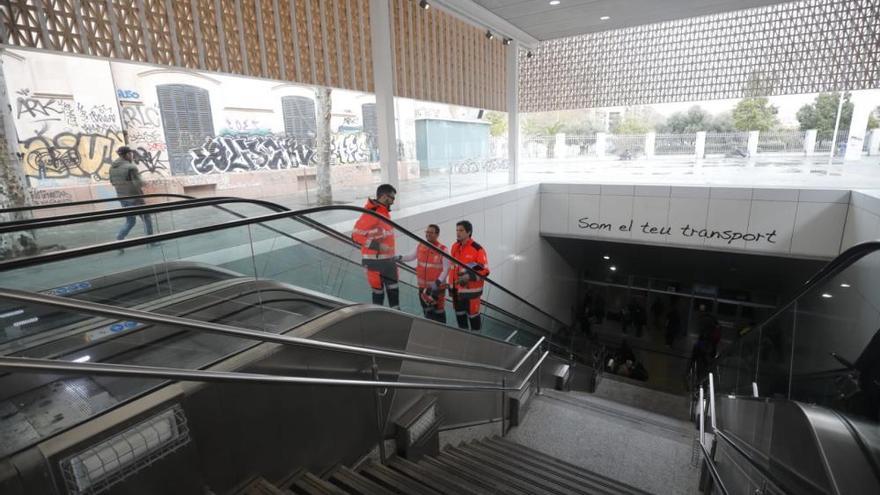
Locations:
{"points": [[432, 270], [376, 238], [467, 283], [126, 179]]}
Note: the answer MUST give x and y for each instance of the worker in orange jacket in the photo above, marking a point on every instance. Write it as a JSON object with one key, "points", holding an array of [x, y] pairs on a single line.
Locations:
{"points": [[431, 273], [376, 238], [467, 285]]}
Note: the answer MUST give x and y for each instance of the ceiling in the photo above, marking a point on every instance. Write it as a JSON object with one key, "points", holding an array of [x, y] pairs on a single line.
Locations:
{"points": [[572, 17]]}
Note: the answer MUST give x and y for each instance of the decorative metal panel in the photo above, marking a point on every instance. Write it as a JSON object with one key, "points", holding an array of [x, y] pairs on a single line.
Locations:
{"points": [[251, 38], [128, 24], [159, 32], [99, 34], [232, 36], [62, 26], [210, 34], [22, 25], [800, 47]]}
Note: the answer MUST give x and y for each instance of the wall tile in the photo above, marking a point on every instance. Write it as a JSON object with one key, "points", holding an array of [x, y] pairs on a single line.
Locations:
{"points": [[584, 189], [655, 211], [767, 216], [818, 229], [687, 212], [617, 190], [689, 192], [824, 196], [653, 191], [727, 214], [775, 194], [730, 193], [617, 211], [554, 213], [582, 206], [861, 226], [554, 188]]}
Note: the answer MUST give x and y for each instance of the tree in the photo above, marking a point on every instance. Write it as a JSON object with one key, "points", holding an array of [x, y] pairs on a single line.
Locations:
{"points": [[822, 113], [755, 114], [632, 123], [874, 119], [325, 141], [696, 119], [497, 123], [546, 125]]}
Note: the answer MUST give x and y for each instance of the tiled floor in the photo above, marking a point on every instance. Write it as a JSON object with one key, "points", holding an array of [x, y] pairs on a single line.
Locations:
{"points": [[646, 450]]}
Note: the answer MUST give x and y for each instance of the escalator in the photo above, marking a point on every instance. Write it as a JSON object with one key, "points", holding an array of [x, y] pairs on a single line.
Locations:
{"points": [[101, 339]]}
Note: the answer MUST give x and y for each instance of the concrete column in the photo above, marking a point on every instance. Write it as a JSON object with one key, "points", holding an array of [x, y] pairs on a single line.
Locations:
{"points": [[601, 138], [383, 83], [513, 111], [700, 146], [561, 151], [874, 142], [864, 102], [810, 142], [753, 143], [650, 143]]}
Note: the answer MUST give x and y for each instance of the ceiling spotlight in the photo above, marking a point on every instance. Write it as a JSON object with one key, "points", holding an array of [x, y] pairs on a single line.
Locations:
{"points": [[605, 18], [506, 41], [612, 268], [827, 295], [606, 257], [529, 54], [424, 4], [845, 286], [555, 2], [489, 35]]}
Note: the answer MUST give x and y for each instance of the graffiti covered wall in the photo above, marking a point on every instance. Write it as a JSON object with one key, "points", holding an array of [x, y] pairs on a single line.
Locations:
{"points": [[72, 113]]}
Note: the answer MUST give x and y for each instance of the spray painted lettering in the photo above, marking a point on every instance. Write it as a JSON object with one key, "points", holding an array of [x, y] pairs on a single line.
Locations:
{"points": [[238, 154], [70, 154]]}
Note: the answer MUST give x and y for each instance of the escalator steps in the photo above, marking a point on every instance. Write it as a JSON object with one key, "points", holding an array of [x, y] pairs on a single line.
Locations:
{"points": [[260, 486]]}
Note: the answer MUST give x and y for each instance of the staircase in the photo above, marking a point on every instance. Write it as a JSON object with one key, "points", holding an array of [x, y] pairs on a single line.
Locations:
{"points": [[487, 466]]}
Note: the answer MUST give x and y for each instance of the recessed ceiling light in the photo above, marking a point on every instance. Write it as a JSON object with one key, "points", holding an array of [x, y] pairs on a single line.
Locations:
{"points": [[827, 295], [555, 2], [606, 257], [845, 286], [605, 18], [82, 359], [612, 268]]}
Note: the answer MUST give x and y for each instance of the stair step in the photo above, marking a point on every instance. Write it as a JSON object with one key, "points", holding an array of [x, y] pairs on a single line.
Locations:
{"points": [[581, 476], [395, 481], [573, 469], [354, 483], [457, 470], [309, 484], [488, 474], [498, 470], [548, 472], [431, 477], [261, 486]]}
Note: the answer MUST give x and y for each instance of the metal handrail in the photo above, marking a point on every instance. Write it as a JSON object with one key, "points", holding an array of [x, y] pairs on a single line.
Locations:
{"points": [[91, 201], [34, 365], [843, 261], [83, 217], [104, 310], [283, 213]]}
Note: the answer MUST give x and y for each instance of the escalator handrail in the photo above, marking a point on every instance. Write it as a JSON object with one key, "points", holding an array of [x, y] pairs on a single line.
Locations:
{"points": [[34, 365], [108, 311], [216, 202], [90, 201], [843, 261], [281, 212]]}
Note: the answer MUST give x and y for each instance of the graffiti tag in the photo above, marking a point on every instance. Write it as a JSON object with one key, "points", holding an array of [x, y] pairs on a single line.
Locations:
{"points": [[127, 94], [70, 154]]}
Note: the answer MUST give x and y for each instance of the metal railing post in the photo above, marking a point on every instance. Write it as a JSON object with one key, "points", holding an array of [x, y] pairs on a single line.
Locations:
{"points": [[702, 420], [538, 374], [712, 401], [503, 399], [380, 425]]}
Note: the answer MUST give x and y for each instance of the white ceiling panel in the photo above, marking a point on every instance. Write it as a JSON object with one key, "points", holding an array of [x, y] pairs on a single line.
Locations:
{"points": [[572, 17]]}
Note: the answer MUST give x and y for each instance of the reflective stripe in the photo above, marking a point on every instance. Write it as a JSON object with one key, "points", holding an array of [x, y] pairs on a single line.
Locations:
{"points": [[391, 286], [378, 256], [431, 265], [378, 291], [470, 290], [474, 315], [395, 307]]}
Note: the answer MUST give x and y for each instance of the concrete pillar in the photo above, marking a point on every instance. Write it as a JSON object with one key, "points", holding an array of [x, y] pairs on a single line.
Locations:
{"points": [[753, 143], [810, 142], [513, 111], [650, 143], [874, 142], [601, 139], [864, 102], [561, 151], [383, 83], [700, 147]]}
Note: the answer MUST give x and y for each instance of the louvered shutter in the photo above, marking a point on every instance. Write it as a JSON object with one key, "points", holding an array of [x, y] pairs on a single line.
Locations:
{"points": [[300, 120], [186, 116]]}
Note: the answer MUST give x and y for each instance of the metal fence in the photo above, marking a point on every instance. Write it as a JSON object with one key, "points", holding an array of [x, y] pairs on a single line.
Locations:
{"points": [[581, 145], [781, 141], [623, 144], [727, 143], [675, 144], [824, 138]]}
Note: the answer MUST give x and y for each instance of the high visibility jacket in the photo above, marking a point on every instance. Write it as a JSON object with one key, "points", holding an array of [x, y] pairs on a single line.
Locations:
{"points": [[373, 234], [430, 264], [471, 254]]}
